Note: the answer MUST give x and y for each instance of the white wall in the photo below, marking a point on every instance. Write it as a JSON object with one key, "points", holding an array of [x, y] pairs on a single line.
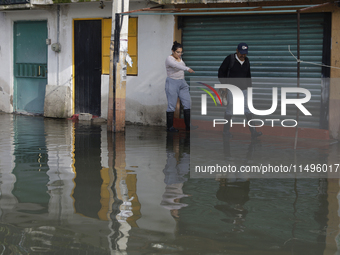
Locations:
{"points": [[145, 95], [70, 12], [5, 63]]}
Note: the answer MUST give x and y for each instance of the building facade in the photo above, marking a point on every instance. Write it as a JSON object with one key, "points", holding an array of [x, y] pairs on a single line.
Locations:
{"points": [[55, 57]]}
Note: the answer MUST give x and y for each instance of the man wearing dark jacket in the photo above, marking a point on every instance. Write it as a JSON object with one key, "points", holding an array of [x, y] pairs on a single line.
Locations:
{"points": [[235, 70]]}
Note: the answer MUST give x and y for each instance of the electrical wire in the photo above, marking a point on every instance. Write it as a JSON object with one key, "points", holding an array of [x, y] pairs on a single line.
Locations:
{"points": [[312, 63]]}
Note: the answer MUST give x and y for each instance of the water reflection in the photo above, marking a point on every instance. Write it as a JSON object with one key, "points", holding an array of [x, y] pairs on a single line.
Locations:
{"points": [[176, 168], [31, 157], [87, 165], [235, 194], [73, 188], [243, 153]]}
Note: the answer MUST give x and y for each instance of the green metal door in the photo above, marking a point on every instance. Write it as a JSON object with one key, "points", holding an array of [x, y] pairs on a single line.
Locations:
{"points": [[30, 66]]}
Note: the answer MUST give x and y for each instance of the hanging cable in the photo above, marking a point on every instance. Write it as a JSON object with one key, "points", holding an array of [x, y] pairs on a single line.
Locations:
{"points": [[312, 63]]}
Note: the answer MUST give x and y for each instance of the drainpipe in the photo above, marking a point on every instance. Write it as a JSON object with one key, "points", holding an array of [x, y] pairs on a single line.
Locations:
{"points": [[112, 80], [58, 34]]}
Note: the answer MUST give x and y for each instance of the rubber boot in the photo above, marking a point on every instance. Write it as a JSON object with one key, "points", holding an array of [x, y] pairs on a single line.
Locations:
{"points": [[170, 122], [187, 122], [253, 131], [226, 128]]}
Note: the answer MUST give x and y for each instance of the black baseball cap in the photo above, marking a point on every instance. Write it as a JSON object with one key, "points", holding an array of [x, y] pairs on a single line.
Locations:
{"points": [[243, 48]]}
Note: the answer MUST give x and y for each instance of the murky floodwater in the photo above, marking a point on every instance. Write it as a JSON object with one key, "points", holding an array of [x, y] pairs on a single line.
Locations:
{"points": [[70, 188]]}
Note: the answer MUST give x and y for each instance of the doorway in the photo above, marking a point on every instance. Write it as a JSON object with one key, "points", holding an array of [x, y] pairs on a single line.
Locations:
{"points": [[30, 66], [87, 66]]}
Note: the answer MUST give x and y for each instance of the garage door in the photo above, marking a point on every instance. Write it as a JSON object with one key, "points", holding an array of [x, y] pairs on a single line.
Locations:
{"points": [[207, 40]]}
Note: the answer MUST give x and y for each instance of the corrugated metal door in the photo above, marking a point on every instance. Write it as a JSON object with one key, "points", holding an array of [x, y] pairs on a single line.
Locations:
{"points": [[207, 40]]}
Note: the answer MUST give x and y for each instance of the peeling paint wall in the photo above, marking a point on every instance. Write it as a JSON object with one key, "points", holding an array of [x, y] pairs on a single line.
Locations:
{"points": [[57, 101], [145, 94]]}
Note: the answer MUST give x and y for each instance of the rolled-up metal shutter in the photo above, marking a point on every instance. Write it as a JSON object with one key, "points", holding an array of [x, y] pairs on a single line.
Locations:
{"points": [[207, 40]]}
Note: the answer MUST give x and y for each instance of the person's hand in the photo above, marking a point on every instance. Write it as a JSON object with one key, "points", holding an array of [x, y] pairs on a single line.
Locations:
{"points": [[191, 71]]}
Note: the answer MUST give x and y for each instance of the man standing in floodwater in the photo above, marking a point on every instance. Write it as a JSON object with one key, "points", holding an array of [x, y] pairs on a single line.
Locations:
{"points": [[235, 70]]}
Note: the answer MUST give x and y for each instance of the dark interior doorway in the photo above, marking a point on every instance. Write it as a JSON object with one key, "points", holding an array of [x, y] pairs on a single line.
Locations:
{"points": [[88, 66]]}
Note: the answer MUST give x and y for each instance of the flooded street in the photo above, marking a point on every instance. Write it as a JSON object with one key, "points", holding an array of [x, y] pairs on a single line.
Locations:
{"points": [[70, 188]]}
